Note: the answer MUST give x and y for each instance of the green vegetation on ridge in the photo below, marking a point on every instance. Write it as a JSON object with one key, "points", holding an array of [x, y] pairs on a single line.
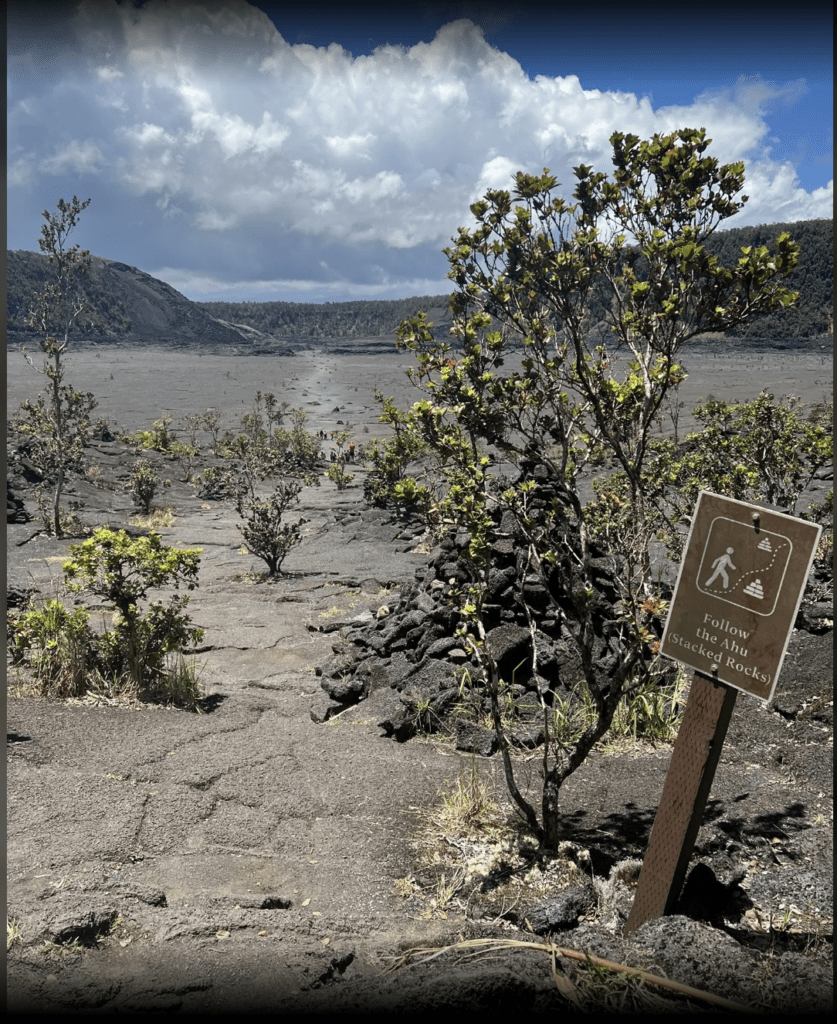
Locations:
{"points": [[364, 318]]}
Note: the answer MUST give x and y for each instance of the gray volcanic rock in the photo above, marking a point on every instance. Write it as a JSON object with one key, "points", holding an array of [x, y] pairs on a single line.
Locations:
{"points": [[512, 647], [562, 912], [256, 859]]}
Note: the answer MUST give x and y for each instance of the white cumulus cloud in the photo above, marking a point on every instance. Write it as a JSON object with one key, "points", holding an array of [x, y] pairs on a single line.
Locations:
{"points": [[203, 105], [75, 155]]}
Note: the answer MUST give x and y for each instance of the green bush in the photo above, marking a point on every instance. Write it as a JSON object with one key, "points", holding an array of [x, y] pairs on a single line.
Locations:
{"points": [[338, 474], [255, 455], [184, 455], [57, 644], [159, 439], [136, 651], [389, 461], [264, 532], [629, 252], [753, 451], [144, 485], [300, 449], [250, 461]]}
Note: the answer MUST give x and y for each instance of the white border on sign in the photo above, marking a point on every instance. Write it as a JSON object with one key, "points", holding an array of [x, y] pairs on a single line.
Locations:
{"points": [[728, 600]]}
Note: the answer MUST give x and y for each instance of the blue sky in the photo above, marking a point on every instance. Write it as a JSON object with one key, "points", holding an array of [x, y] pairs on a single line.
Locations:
{"points": [[321, 153]]}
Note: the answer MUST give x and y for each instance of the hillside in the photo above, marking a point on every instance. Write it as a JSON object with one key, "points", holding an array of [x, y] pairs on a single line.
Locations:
{"points": [[813, 278], [361, 318], [140, 309], [131, 308]]}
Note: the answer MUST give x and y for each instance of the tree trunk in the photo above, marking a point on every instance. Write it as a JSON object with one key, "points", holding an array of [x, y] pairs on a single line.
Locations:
{"points": [[551, 816], [56, 504]]}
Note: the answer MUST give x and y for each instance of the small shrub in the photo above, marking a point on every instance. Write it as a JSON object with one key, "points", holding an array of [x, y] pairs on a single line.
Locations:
{"points": [[122, 571], [144, 485], [136, 649], [250, 461], [389, 459], [338, 474], [755, 451], [214, 484], [69, 523], [57, 644], [184, 455], [160, 438], [300, 451], [211, 421], [821, 414], [192, 424], [265, 534]]}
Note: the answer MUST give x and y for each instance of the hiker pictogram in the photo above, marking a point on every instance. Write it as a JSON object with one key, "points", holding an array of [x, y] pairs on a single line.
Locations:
{"points": [[743, 566], [720, 566]]}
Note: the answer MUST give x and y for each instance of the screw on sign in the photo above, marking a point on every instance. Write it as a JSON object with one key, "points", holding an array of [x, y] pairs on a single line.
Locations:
{"points": [[738, 592]]}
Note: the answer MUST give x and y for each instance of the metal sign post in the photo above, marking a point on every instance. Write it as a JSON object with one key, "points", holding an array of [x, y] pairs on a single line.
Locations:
{"points": [[738, 592]]}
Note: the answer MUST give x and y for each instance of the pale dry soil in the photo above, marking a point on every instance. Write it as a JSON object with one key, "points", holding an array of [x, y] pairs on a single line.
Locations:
{"points": [[249, 858]]}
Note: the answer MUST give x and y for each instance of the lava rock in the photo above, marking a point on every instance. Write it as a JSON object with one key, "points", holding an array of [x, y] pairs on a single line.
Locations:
{"points": [[563, 912], [512, 649], [395, 717], [474, 739], [346, 689]]}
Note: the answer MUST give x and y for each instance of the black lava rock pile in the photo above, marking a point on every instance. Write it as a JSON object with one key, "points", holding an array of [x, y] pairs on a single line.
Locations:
{"points": [[15, 509], [411, 658]]}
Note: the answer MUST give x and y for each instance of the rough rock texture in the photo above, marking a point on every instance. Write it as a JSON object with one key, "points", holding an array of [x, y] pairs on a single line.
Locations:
{"points": [[257, 860], [15, 509], [412, 647]]}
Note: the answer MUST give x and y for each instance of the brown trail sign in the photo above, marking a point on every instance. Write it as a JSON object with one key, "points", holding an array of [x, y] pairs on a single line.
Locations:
{"points": [[738, 591]]}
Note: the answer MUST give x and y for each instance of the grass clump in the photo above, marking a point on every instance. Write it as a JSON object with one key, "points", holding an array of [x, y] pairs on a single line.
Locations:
{"points": [[651, 713], [467, 807], [589, 983], [158, 518]]}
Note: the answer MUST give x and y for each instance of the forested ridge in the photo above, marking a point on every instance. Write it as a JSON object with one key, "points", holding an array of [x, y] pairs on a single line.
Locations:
{"points": [[364, 318], [359, 318], [813, 279]]}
